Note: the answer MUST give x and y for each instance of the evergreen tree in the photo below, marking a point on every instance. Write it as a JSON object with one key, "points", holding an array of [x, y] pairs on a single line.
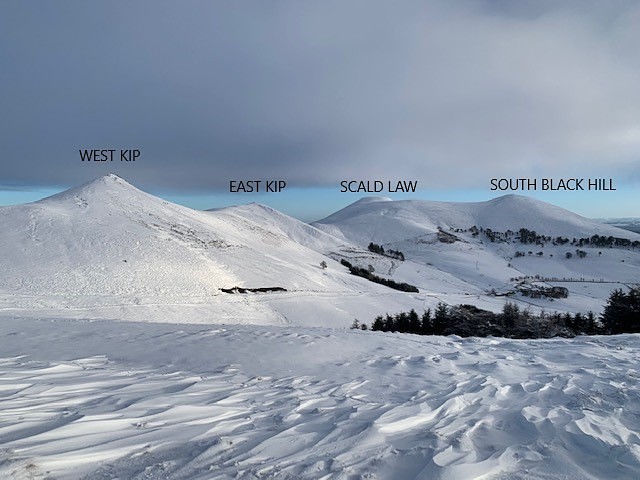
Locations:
{"points": [[578, 324], [389, 324], [591, 326], [440, 319], [402, 322], [426, 327], [510, 314], [622, 312], [414, 322]]}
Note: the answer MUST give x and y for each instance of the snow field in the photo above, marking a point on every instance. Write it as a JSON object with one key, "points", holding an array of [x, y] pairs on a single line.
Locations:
{"points": [[159, 401]]}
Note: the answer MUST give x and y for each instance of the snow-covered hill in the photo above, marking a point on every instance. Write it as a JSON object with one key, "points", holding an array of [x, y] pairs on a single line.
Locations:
{"points": [[107, 249], [631, 224], [382, 220], [439, 236], [277, 222]]}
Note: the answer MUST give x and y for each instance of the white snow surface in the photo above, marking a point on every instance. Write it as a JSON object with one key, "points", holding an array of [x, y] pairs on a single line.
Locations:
{"points": [[124, 400]]}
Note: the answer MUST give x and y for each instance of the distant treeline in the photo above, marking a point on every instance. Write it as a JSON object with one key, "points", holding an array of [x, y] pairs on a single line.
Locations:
{"points": [[531, 237], [364, 273], [375, 248], [621, 315]]}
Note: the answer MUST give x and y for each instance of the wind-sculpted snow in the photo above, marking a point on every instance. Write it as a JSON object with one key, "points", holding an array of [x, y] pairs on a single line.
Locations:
{"points": [[103, 400]]}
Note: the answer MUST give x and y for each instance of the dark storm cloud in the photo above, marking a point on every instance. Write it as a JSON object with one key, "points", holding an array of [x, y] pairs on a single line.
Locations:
{"points": [[448, 92]]}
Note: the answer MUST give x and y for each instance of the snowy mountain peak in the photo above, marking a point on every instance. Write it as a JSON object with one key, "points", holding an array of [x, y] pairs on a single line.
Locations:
{"points": [[111, 180], [365, 200], [515, 199], [263, 207], [106, 187], [112, 176]]}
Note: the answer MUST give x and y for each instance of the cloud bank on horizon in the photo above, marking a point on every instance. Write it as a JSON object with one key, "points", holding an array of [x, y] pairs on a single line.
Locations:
{"points": [[451, 94]]}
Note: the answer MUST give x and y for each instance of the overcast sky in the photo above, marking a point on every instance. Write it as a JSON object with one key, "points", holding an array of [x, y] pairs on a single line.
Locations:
{"points": [[451, 93]]}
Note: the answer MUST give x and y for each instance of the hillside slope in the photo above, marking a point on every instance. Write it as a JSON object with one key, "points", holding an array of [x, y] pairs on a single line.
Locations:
{"points": [[277, 222], [107, 245], [440, 235]]}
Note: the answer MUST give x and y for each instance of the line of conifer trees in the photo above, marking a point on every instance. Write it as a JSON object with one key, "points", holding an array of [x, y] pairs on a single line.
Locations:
{"points": [[621, 315], [364, 273], [379, 249]]}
